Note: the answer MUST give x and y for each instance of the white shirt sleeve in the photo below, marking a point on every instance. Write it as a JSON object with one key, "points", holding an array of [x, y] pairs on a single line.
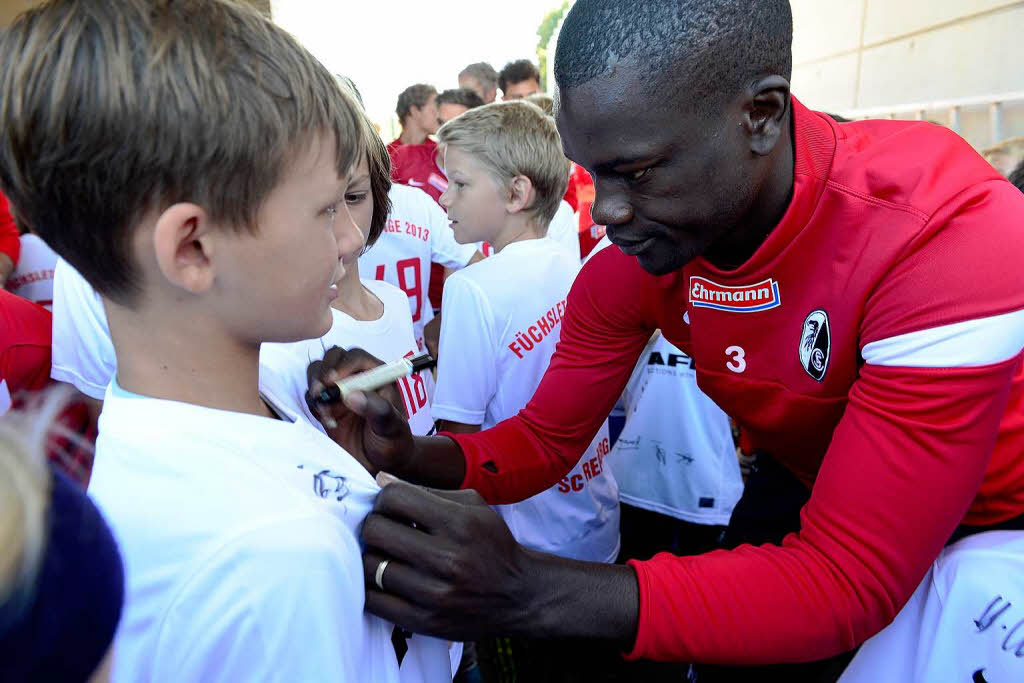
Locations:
{"points": [[467, 363], [83, 354], [281, 603], [444, 250]]}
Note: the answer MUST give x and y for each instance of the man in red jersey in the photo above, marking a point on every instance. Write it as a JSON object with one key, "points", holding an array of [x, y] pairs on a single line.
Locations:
{"points": [[851, 295]]}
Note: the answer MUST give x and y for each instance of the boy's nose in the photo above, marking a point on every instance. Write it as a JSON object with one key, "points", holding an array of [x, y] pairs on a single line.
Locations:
{"points": [[350, 237]]}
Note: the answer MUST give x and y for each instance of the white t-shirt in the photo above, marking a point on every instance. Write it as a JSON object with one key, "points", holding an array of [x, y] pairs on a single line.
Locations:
{"points": [[389, 338], [675, 454], [501, 321], [239, 535], [417, 234], [564, 229], [965, 621], [82, 353], [32, 278]]}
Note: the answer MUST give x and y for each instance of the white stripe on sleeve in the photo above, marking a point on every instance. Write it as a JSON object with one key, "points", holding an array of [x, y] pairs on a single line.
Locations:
{"points": [[971, 343]]}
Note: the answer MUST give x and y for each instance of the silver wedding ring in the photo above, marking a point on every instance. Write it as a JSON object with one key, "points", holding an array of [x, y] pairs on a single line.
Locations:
{"points": [[378, 577]]}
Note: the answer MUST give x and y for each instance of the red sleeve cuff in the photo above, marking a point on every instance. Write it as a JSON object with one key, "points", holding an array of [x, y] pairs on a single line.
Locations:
{"points": [[458, 442], [643, 589]]}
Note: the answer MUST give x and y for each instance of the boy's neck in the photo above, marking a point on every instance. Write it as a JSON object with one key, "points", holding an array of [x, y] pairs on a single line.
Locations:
{"points": [[354, 299], [180, 358], [413, 135], [517, 228]]}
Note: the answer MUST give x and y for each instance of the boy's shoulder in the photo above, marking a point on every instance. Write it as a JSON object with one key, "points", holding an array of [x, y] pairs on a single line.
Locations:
{"points": [[521, 264]]}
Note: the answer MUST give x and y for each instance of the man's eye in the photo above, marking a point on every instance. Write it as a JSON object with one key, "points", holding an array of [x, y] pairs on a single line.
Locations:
{"points": [[638, 174]]}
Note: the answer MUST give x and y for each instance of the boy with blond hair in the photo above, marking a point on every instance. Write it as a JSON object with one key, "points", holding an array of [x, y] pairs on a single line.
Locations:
{"points": [[501, 319], [209, 150], [502, 316]]}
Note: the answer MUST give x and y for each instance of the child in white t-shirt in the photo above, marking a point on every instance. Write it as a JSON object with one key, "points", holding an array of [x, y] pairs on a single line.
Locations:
{"points": [[238, 520], [370, 314], [417, 234], [501, 317]]}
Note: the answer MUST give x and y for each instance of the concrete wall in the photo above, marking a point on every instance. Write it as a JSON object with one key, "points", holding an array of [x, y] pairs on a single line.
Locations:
{"points": [[851, 55]]}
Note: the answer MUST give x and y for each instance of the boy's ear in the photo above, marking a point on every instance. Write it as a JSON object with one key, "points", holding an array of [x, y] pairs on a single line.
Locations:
{"points": [[521, 194], [183, 245]]}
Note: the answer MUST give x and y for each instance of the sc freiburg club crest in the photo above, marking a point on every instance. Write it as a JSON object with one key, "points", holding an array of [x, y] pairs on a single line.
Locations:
{"points": [[815, 344]]}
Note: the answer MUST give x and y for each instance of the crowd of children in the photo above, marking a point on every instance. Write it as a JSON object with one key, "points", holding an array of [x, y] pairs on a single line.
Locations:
{"points": [[224, 224]]}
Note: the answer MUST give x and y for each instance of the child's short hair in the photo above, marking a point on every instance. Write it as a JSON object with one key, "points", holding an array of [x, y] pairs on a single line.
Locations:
{"points": [[510, 139], [379, 164], [110, 110], [378, 161], [463, 97], [542, 100]]}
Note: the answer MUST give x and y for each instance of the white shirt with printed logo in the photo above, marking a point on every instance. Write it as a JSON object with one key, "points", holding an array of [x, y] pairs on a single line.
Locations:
{"points": [[32, 278], [417, 234], [240, 540], [501, 321], [389, 338], [675, 454]]}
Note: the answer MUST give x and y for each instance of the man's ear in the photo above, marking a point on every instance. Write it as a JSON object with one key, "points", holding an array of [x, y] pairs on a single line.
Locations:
{"points": [[182, 240], [766, 113], [521, 194]]}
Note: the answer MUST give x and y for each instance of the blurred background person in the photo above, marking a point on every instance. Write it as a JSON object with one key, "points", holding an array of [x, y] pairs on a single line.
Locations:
{"points": [[519, 79], [417, 113], [481, 78], [61, 575]]}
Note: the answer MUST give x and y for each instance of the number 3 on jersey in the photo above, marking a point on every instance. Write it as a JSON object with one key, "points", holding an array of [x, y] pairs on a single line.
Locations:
{"points": [[739, 359], [408, 270]]}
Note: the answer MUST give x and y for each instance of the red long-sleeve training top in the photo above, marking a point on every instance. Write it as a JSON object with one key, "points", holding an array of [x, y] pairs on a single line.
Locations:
{"points": [[872, 344]]}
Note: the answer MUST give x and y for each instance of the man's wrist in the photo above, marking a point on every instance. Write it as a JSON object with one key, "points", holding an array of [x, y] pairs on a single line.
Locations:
{"points": [[436, 461], [557, 591]]}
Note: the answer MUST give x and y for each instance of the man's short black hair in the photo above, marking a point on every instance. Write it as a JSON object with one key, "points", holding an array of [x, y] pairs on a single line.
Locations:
{"points": [[517, 72], [715, 47], [464, 96], [1017, 176]]}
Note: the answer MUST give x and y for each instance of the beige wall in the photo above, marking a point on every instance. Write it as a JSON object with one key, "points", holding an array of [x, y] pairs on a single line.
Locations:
{"points": [[858, 54], [11, 8]]}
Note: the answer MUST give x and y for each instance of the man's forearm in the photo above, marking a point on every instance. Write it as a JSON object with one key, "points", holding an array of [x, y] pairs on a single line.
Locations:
{"points": [[437, 462], [572, 599]]}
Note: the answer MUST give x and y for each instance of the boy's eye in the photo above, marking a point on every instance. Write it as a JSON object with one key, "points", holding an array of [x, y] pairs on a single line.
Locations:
{"points": [[355, 198], [640, 173]]}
